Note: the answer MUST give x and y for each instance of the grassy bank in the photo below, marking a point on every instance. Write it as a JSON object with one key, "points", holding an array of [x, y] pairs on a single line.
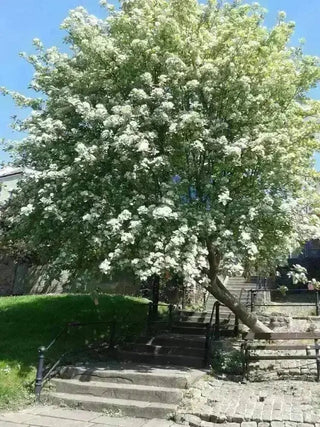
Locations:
{"points": [[28, 322]]}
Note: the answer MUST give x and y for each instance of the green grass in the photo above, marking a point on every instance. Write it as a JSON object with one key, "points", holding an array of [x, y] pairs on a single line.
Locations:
{"points": [[28, 322]]}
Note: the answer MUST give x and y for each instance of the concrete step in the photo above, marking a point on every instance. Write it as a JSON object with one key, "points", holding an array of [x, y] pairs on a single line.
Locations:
{"points": [[133, 374], [196, 320], [189, 330], [193, 317], [190, 313], [172, 339], [132, 408], [190, 324], [164, 360], [163, 350], [119, 391]]}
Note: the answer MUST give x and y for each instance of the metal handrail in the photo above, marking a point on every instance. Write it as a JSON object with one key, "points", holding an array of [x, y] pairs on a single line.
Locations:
{"points": [[253, 293], [212, 331], [42, 378]]}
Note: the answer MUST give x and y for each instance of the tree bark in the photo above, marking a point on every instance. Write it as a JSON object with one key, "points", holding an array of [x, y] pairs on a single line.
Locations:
{"points": [[221, 293]]}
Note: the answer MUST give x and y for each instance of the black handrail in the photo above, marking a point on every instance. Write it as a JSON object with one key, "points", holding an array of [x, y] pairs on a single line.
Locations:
{"points": [[151, 315], [41, 379], [212, 329]]}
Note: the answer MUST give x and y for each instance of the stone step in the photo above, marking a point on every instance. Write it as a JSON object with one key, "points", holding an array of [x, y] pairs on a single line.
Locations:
{"points": [[132, 408], [190, 313], [119, 391], [138, 374], [189, 330], [164, 360], [172, 339], [195, 319], [190, 324], [163, 350]]}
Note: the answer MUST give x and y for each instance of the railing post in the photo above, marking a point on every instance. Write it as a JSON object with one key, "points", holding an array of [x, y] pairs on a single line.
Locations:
{"points": [[149, 318], [236, 326], [251, 300], [155, 295], [170, 316], [217, 322], [317, 303], [39, 376]]}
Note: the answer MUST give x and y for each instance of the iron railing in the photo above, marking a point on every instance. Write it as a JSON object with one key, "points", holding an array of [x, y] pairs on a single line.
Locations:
{"points": [[316, 303], [45, 374], [214, 329], [154, 317]]}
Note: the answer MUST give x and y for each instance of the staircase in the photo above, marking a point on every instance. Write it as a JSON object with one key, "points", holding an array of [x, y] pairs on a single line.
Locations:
{"points": [[142, 391], [240, 288], [151, 374], [184, 345]]}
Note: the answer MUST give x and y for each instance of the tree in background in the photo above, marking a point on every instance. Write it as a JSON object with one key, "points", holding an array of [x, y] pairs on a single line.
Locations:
{"points": [[173, 137]]}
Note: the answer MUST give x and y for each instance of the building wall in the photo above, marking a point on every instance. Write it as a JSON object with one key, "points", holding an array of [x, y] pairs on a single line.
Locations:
{"points": [[7, 184]]}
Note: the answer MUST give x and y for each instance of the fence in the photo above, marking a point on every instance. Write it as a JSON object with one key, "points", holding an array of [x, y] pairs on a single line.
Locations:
{"points": [[255, 292]]}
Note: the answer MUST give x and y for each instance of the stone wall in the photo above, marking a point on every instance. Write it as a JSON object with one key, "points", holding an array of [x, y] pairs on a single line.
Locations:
{"points": [[23, 278], [7, 275]]}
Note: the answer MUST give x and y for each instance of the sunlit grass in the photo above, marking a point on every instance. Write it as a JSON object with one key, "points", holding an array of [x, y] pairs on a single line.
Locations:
{"points": [[28, 322]]}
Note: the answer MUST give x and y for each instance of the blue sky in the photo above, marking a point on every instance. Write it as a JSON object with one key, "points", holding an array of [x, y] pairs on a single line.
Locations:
{"points": [[24, 20]]}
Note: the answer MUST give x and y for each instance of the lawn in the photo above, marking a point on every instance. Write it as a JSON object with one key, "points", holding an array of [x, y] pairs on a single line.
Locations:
{"points": [[28, 322]]}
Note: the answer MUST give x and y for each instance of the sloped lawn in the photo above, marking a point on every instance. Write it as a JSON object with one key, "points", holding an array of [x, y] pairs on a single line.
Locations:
{"points": [[28, 322]]}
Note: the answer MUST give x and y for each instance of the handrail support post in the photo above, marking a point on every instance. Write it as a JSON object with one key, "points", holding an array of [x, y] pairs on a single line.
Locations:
{"points": [[39, 376]]}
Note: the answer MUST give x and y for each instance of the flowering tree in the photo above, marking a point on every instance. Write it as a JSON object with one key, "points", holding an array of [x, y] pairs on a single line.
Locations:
{"points": [[175, 137]]}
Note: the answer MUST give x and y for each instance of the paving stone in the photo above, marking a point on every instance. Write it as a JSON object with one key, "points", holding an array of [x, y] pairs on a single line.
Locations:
{"points": [[277, 424], [193, 420], [267, 414], [156, 423], [238, 418], [78, 415], [263, 424], [249, 424], [208, 424], [310, 418], [297, 417], [16, 417], [277, 415], [118, 421], [44, 421], [9, 424]]}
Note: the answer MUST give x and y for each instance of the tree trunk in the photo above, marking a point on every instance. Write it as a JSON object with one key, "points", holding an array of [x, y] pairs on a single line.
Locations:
{"points": [[221, 293]]}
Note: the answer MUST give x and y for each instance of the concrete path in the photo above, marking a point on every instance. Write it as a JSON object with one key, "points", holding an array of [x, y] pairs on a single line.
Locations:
{"points": [[49, 416]]}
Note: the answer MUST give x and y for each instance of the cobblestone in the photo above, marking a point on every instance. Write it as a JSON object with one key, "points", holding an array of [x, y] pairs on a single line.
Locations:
{"points": [[280, 403]]}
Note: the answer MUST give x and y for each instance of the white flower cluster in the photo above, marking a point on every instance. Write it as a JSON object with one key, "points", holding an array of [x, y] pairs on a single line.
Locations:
{"points": [[162, 134]]}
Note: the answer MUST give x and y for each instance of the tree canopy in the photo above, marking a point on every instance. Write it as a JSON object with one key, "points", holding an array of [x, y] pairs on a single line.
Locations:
{"points": [[172, 137]]}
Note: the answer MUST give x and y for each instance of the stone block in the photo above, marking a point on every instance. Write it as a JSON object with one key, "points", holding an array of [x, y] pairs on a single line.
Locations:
{"points": [[310, 418], [296, 417], [277, 415], [249, 424], [193, 420]]}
